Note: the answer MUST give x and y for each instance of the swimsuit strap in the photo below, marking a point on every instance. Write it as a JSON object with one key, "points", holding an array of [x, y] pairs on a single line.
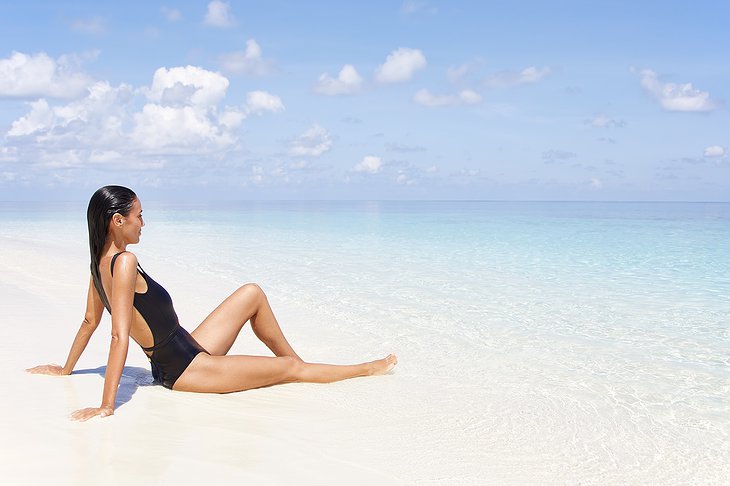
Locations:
{"points": [[114, 258]]}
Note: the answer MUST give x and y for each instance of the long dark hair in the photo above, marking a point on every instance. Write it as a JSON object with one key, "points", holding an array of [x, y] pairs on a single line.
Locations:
{"points": [[105, 202]]}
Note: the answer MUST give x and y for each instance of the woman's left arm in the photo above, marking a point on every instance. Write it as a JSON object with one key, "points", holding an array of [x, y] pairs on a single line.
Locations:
{"points": [[122, 308]]}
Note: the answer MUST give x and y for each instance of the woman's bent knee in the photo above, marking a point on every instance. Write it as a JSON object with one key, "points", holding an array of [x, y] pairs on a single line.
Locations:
{"points": [[251, 291]]}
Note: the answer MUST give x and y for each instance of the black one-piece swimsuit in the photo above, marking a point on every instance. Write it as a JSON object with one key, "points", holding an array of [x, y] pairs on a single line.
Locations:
{"points": [[174, 347]]}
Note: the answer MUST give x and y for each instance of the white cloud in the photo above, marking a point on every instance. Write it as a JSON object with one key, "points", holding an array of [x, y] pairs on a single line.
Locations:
{"points": [[400, 65], [95, 119], [370, 164], [466, 97], [177, 129], [171, 14], [190, 85], [676, 97], [348, 81], [93, 25], [314, 142], [38, 75], [259, 101], [219, 15], [182, 116], [714, 151], [249, 61], [40, 118], [193, 127], [231, 117], [528, 75]]}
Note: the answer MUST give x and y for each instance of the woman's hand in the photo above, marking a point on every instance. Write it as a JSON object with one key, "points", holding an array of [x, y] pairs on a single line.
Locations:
{"points": [[86, 413], [50, 369]]}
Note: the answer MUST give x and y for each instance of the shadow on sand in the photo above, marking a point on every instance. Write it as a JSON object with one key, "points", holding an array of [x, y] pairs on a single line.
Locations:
{"points": [[132, 378]]}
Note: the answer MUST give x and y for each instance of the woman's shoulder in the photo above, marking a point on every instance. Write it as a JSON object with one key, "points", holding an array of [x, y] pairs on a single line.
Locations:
{"points": [[124, 261]]}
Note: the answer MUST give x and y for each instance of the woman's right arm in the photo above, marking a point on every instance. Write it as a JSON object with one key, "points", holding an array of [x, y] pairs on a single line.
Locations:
{"points": [[92, 317]]}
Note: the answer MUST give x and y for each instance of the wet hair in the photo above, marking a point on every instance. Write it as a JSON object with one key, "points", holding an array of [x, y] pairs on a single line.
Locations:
{"points": [[104, 204]]}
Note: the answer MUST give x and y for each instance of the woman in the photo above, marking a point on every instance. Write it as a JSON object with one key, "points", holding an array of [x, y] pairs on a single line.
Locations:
{"points": [[142, 309]]}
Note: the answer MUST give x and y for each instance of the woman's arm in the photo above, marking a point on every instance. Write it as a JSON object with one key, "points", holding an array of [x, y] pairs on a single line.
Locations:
{"points": [[122, 303], [92, 317]]}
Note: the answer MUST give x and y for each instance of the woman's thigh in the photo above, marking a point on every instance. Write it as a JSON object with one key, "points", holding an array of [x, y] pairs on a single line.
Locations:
{"points": [[224, 374], [220, 329]]}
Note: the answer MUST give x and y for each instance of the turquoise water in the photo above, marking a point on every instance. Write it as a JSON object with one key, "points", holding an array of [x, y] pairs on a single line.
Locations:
{"points": [[594, 335]]}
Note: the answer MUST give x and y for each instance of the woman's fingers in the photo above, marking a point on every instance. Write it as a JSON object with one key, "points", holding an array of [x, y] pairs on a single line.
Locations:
{"points": [[51, 369], [86, 413]]}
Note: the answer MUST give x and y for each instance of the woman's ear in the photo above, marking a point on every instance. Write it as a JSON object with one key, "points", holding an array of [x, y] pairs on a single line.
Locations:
{"points": [[117, 219]]}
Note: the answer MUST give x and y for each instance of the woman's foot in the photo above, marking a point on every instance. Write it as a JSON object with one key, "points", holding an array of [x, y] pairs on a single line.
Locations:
{"points": [[382, 366]]}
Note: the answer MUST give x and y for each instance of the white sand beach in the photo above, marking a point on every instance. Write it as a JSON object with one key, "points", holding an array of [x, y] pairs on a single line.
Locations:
{"points": [[292, 434]]}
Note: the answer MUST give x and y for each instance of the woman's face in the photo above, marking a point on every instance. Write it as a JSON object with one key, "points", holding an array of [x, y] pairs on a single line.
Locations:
{"points": [[132, 223]]}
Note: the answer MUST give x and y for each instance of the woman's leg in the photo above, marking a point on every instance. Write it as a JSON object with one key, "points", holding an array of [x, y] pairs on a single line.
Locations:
{"points": [[224, 374], [221, 328]]}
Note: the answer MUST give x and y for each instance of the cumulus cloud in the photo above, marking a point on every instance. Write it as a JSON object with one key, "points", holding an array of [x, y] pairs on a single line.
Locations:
{"points": [[313, 142], [190, 123], [400, 65], [177, 129], [676, 97], [232, 117], [181, 115], [466, 97], [38, 75], [714, 151], [219, 15], [370, 164], [348, 81], [258, 102], [40, 117], [248, 62], [187, 85], [528, 75], [94, 119]]}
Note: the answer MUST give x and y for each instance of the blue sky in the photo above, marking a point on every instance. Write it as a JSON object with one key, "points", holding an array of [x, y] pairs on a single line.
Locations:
{"points": [[567, 100]]}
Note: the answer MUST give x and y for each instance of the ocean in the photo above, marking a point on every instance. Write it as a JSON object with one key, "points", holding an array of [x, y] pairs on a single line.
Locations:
{"points": [[536, 340]]}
